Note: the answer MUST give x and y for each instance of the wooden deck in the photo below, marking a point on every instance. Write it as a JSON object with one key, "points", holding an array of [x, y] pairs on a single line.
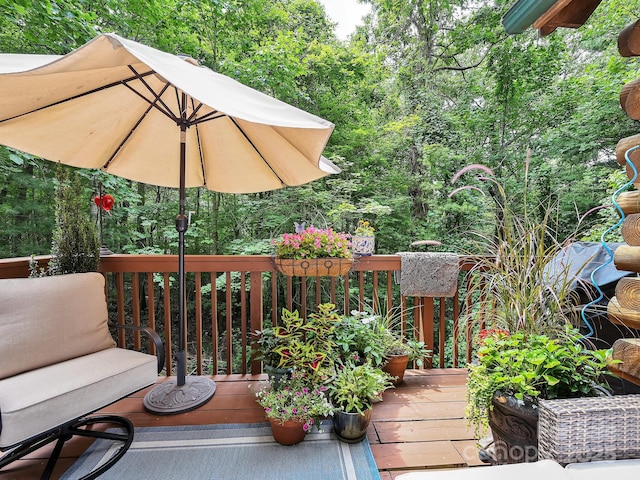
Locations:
{"points": [[419, 425]]}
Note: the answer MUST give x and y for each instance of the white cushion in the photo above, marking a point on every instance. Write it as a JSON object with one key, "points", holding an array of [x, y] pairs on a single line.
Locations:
{"points": [[36, 401], [606, 469], [544, 469]]}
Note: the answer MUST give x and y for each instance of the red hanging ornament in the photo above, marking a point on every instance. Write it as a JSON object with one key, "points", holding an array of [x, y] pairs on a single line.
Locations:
{"points": [[107, 202]]}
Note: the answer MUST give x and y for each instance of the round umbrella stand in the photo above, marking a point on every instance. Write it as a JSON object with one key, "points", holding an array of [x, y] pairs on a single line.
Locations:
{"points": [[169, 397]]}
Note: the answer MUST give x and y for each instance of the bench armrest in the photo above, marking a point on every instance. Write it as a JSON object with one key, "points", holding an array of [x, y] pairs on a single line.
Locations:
{"points": [[153, 335]]}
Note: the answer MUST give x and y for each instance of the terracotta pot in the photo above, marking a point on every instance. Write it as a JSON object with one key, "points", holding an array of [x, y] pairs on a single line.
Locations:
{"points": [[395, 366], [351, 427], [288, 432], [514, 425]]}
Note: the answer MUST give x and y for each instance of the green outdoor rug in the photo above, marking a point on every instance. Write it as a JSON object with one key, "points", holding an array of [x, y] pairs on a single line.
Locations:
{"points": [[229, 452]]}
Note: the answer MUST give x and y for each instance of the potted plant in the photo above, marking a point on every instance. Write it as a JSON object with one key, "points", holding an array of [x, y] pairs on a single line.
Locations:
{"points": [[305, 345], [363, 239], [313, 252], [377, 338], [294, 407], [516, 287], [352, 391], [357, 340], [514, 371], [399, 352], [265, 346]]}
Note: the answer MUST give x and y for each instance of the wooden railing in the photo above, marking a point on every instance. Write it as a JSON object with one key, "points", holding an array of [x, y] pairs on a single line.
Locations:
{"points": [[229, 297]]}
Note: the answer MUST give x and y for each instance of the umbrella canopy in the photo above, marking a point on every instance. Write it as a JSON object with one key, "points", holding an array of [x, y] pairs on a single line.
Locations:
{"points": [[152, 117], [114, 104]]}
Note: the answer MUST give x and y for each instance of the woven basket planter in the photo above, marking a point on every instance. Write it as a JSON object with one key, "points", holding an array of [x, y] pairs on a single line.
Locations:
{"points": [[589, 429], [315, 267]]}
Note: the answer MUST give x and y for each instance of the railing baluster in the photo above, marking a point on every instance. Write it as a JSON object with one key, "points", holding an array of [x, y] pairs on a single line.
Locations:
{"points": [[135, 293], [390, 291], [442, 329], [151, 308], [347, 309], [214, 323], [255, 310], [167, 323], [198, 292], [121, 316], [468, 304], [455, 333], [427, 314], [274, 299], [374, 293], [229, 324], [243, 321]]}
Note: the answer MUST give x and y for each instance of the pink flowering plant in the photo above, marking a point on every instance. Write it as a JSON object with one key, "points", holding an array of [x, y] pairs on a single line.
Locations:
{"points": [[312, 242], [295, 398]]}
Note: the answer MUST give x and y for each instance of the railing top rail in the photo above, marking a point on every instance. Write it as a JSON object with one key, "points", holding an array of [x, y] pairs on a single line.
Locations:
{"points": [[125, 263]]}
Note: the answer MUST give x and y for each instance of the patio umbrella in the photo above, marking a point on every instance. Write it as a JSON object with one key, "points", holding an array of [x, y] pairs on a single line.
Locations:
{"points": [[149, 116]]}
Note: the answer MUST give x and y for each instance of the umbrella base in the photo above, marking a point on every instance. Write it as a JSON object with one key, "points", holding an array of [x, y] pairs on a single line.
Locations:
{"points": [[168, 398]]}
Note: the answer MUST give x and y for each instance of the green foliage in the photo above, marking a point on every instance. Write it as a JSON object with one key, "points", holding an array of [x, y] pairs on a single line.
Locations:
{"points": [[418, 91], [532, 366], [75, 239], [305, 345], [26, 205], [295, 398], [355, 386], [357, 340]]}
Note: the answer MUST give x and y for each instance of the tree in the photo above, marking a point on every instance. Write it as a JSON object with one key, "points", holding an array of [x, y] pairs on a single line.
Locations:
{"points": [[75, 239]]}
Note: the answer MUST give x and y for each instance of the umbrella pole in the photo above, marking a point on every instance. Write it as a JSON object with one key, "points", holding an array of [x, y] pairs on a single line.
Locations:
{"points": [[185, 392]]}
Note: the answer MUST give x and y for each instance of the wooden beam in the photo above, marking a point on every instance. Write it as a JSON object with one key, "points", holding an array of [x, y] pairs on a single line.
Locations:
{"points": [[566, 13], [550, 14]]}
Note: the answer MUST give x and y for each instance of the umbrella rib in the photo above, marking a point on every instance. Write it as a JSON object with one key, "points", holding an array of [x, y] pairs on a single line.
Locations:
{"points": [[80, 95], [210, 116], [126, 138], [154, 103], [195, 111], [202, 164], [256, 149], [166, 110]]}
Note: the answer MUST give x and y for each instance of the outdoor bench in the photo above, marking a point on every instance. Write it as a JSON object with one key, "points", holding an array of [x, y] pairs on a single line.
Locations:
{"points": [[59, 363]]}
